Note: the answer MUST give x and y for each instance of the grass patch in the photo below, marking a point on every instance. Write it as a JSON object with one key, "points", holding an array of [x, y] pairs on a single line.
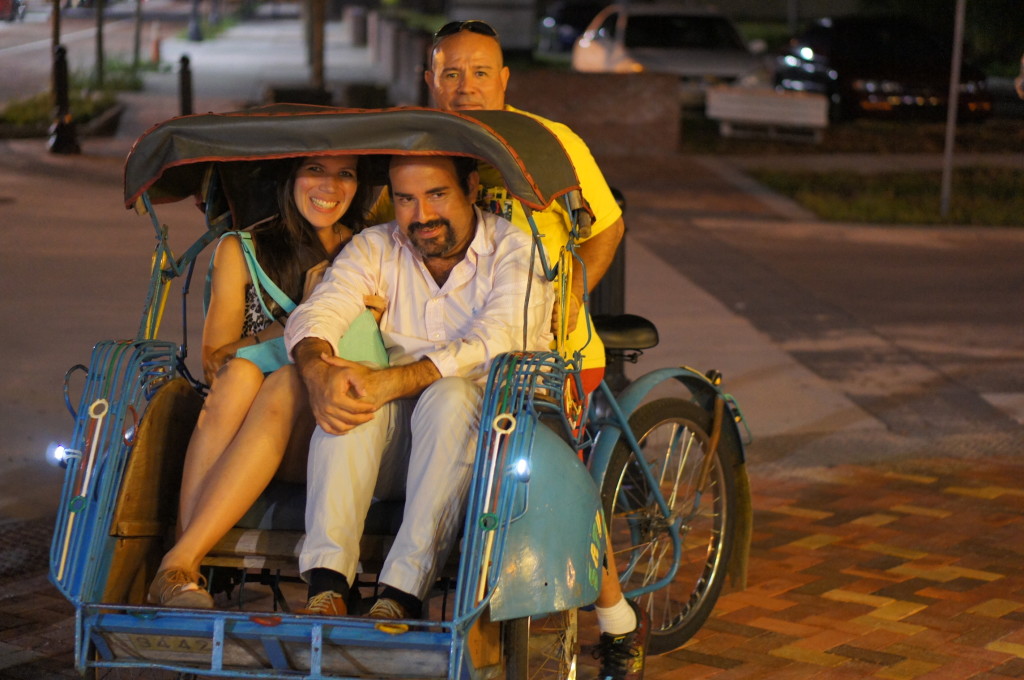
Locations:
{"points": [[87, 101], [996, 135], [118, 75], [210, 29], [980, 197], [775, 34], [37, 110]]}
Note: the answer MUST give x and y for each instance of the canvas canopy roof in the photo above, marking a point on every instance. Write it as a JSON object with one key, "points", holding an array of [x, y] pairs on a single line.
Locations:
{"points": [[172, 159]]}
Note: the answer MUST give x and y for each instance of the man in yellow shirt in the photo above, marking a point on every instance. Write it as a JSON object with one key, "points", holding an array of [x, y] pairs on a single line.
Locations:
{"points": [[467, 73]]}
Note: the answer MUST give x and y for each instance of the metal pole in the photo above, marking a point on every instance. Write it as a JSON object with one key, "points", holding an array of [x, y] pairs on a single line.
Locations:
{"points": [[317, 20], [137, 38], [195, 31], [792, 16], [55, 37], [62, 132], [101, 7], [951, 108], [54, 44]]}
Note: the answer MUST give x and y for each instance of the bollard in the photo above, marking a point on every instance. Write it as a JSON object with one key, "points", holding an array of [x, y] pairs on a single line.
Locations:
{"points": [[185, 86], [62, 132]]}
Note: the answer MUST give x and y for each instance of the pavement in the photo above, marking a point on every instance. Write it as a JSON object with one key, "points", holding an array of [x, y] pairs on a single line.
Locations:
{"points": [[875, 554]]}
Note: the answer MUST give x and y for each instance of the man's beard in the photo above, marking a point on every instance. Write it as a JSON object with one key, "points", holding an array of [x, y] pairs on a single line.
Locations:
{"points": [[437, 245]]}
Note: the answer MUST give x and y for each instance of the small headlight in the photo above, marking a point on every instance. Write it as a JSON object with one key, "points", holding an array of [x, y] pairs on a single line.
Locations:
{"points": [[522, 470], [56, 455]]}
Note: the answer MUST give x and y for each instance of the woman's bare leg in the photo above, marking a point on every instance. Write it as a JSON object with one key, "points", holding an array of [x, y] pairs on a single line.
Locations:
{"points": [[248, 464], [231, 396]]}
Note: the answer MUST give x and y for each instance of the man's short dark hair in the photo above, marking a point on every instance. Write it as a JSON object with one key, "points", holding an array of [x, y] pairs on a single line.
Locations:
{"points": [[464, 165]]}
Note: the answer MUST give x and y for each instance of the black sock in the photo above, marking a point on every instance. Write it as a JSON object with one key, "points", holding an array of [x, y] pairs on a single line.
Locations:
{"points": [[410, 603], [322, 580]]}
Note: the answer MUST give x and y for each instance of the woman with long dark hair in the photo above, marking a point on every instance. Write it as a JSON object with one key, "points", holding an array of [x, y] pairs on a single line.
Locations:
{"points": [[241, 442]]}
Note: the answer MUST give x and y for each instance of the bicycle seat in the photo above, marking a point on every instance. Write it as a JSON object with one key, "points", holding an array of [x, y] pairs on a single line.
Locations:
{"points": [[625, 331]]}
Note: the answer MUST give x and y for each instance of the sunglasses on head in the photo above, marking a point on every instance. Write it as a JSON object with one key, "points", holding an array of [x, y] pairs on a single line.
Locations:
{"points": [[472, 25]]}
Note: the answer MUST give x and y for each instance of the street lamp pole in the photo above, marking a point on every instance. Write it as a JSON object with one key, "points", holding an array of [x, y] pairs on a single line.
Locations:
{"points": [[951, 109], [195, 31]]}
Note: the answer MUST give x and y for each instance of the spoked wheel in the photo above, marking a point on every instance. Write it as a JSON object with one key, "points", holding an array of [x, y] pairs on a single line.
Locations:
{"points": [[542, 647], [673, 435]]}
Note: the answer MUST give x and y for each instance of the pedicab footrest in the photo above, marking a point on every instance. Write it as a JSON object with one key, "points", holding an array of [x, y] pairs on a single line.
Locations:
{"points": [[262, 645]]}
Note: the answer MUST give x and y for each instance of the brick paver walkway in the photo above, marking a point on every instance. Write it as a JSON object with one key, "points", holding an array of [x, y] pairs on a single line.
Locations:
{"points": [[909, 571], [903, 570]]}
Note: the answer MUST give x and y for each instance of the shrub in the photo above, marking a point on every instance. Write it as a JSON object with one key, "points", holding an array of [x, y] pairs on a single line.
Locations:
{"points": [[39, 109]]}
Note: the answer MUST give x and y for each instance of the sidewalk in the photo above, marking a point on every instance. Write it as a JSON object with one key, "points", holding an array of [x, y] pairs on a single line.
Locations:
{"points": [[874, 555]]}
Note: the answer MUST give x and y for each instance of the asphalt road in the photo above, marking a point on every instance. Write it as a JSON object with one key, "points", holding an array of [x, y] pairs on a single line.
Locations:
{"points": [[26, 47]]}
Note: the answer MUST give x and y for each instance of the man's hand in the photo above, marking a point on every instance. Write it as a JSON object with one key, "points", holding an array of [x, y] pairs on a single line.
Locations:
{"points": [[336, 387], [573, 318], [215, 360], [344, 394], [339, 403]]}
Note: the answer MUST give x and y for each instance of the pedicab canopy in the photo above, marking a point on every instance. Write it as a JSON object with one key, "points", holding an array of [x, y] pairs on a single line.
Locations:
{"points": [[172, 160]]}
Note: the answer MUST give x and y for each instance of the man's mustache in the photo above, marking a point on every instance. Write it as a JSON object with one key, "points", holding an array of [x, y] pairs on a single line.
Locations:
{"points": [[432, 224]]}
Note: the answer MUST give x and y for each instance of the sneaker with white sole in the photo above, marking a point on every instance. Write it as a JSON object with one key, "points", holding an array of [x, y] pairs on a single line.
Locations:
{"points": [[179, 588], [386, 608], [327, 603], [622, 656]]}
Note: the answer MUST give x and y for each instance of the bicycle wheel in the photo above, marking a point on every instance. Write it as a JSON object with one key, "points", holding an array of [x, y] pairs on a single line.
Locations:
{"points": [[673, 437], [542, 647]]}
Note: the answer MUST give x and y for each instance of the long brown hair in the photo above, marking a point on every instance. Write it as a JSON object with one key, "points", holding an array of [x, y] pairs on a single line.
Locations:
{"points": [[287, 245]]}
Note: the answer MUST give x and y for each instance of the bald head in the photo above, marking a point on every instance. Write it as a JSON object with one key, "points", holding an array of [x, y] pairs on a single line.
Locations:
{"points": [[467, 72]]}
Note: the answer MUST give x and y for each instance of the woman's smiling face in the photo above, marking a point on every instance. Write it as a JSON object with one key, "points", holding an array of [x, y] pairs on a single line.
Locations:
{"points": [[324, 187]]}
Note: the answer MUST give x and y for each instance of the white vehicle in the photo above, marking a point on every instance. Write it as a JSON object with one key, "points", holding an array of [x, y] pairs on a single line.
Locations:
{"points": [[699, 45]]}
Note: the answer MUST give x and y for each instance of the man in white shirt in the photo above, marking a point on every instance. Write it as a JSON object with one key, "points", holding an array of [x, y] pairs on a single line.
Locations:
{"points": [[455, 281]]}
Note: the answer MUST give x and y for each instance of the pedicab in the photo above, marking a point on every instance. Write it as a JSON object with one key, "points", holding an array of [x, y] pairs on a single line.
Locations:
{"points": [[555, 467]]}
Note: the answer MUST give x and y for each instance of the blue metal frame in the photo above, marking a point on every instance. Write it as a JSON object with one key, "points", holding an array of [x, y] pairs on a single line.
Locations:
{"points": [[122, 377]]}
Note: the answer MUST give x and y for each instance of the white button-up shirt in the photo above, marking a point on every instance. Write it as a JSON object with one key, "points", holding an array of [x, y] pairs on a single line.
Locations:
{"points": [[461, 326]]}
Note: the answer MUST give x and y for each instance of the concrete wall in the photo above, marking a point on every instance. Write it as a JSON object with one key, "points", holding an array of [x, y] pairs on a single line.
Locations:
{"points": [[612, 113]]}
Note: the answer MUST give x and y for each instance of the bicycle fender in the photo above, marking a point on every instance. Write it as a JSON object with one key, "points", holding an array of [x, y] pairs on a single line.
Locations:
{"points": [[554, 549], [702, 392]]}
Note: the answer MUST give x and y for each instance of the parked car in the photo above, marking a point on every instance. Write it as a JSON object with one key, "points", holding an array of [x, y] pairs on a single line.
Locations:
{"points": [[12, 10], [563, 22], [879, 65], [701, 46]]}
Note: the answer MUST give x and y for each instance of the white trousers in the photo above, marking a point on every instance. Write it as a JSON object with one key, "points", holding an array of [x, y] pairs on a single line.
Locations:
{"points": [[418, 449]]}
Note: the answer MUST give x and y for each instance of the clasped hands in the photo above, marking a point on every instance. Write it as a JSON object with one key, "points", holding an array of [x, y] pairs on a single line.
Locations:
{"points": [[345, 394]]}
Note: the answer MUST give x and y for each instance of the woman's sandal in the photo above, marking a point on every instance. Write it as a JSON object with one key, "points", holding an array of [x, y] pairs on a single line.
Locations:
{"points": [[179, 588]]}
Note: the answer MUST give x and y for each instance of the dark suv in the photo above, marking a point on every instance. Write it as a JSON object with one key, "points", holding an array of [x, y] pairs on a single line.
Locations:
{"points": [[876, 65]]}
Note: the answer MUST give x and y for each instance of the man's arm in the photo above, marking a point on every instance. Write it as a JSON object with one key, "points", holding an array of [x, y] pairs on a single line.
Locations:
{"points": [[597, 254], [344, 394]]}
